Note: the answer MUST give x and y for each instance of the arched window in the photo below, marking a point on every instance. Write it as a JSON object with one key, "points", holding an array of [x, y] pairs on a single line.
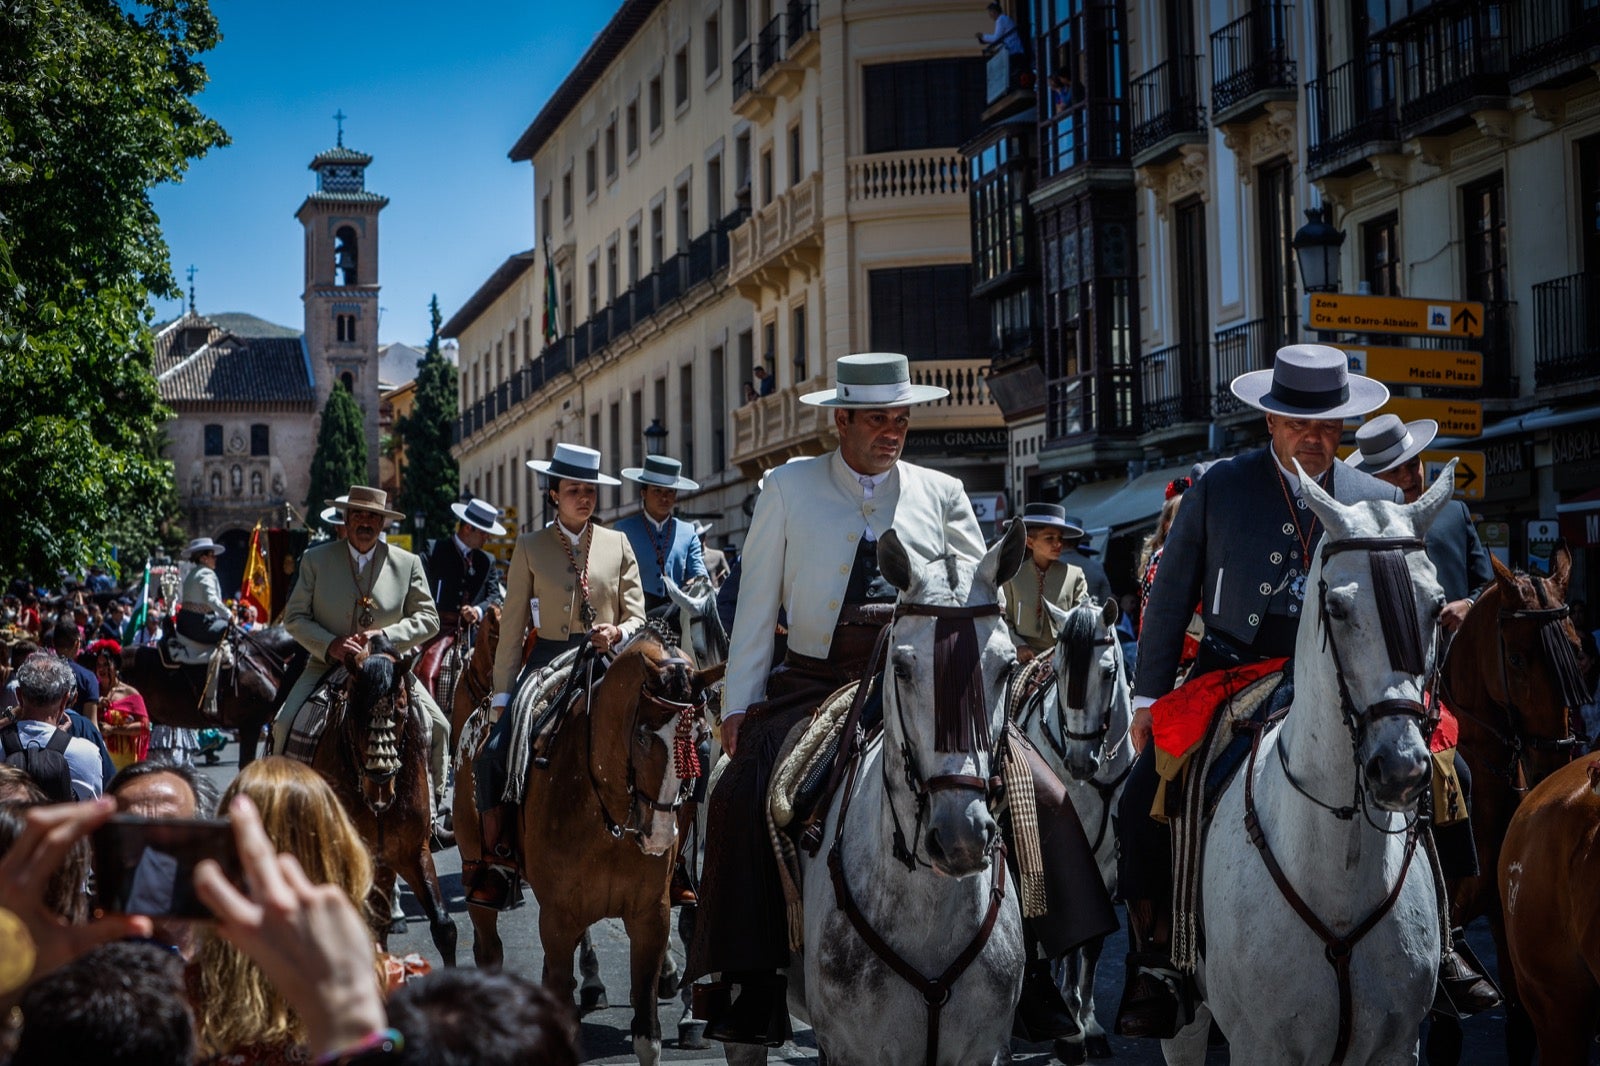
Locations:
{"points": [[348, 380], [344, 255]]}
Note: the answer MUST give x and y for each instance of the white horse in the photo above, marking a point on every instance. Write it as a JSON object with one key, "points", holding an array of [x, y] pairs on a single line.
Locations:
{"points": [[1329, 798], [699, 625], [1080, 724], [909, 884]]}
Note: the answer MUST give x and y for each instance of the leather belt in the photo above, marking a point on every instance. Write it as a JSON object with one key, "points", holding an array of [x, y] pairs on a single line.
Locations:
{"points": [[866, 614]]}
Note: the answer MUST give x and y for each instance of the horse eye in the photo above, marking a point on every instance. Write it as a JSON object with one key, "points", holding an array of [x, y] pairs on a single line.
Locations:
{"points": [[1337, 609]]}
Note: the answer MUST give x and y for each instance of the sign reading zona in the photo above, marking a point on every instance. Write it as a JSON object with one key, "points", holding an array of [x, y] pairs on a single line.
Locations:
{"points": [[1350, 313], [1416, 366]]}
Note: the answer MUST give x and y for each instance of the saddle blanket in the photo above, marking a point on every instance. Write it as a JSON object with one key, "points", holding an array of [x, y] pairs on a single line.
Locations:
{"points": [[323, 707], [1180, 718]]}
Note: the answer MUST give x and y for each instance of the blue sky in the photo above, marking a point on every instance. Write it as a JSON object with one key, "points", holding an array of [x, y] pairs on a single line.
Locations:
{"points": [[436, 93]]}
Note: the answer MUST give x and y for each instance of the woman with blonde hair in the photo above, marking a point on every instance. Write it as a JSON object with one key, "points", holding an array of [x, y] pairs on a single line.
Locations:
{"points": [[240, 1017]]}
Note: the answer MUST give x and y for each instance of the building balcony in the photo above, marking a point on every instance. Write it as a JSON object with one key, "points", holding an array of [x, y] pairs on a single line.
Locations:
{"points": [[1167, 112], [784, 235], [1353, 115], [1243, 348], [1566, 331], [1553, 43], [773, 66], [925, 181], [1008, 81], [1252, 62], [1083, 136], [1453, 65], [1177, 387]]}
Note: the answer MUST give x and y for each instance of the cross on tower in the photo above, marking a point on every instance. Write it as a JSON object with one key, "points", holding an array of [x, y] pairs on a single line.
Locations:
{"points": [[191, 272], [339, 116]]}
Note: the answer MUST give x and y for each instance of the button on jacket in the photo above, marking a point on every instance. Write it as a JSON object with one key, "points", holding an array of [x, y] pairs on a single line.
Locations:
{"points": [[802, 542], [540, 570]]}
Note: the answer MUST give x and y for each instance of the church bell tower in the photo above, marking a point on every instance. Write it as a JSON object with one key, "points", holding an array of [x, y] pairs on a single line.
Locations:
{"points": [[341, 284]]}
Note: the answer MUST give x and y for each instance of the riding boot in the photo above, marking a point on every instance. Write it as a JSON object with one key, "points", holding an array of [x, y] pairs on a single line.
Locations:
{"points": [[498, 884], [760, 1014], [1041, 1013], [1155, 1000], [1462, 979]]}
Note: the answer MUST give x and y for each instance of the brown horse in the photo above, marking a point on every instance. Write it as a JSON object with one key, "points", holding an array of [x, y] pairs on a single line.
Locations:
{"points": [[374, 755], [267, 660], [473, 689], [1550, 881], [1503, 678], [599, 825]]}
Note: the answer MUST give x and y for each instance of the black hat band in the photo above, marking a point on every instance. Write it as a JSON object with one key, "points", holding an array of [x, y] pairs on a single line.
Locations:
{"points": [[1321, 399]]}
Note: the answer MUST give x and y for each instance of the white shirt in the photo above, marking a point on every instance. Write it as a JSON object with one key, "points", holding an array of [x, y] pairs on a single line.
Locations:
{"points": [[575, 538], [460, 544], [869, 485], [361, 560]]}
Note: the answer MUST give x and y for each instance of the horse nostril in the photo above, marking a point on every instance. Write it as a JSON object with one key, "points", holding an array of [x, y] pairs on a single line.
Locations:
{"points": [[1375, 770]]}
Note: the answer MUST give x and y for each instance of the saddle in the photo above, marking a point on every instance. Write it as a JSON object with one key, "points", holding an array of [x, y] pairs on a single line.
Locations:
{"points": [[538, 707], [325, 706]]}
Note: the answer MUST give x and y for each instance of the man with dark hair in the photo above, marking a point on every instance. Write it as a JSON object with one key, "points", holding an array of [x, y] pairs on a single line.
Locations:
{"points": [[67, 642], [444, 1023], [121, 1003], [163, 790]]}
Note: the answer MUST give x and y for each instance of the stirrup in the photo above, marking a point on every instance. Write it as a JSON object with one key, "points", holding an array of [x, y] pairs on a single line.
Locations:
{"points": [[1156, 998]]}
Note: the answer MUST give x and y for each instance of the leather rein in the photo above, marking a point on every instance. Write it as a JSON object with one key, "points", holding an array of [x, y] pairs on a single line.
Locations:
{"points": [[935, 991], [1336, 947]]}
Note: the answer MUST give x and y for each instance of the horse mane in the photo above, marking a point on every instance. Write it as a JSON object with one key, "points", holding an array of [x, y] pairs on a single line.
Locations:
{"points": [[1077, 644], [657, 630]]}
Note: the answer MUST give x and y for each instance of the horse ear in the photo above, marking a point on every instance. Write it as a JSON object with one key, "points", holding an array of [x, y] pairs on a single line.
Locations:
{"points": [[1431, 504], [1560, 569], [1327, 509], [893, 562], [1110, 612], [1009, 554], [408, 660], [1058, 616], [1502, 574], [704, 679]]}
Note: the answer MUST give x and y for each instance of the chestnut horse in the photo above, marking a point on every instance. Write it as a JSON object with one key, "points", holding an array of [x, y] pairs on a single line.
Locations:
{"points": [[1503, 678], [1550, 881], [599, 824], [266, 662], [374, 755]]}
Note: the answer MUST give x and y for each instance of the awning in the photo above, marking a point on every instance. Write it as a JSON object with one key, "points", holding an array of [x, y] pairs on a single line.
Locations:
{"points": [[1110, 507]]}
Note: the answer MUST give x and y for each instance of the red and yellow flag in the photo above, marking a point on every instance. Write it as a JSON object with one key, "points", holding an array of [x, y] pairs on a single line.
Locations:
{"points": [[257, 588]]}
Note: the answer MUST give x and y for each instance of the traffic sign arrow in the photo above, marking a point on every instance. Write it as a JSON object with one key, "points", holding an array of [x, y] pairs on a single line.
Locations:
{"points": [[1465, 320], [1465, 476]]}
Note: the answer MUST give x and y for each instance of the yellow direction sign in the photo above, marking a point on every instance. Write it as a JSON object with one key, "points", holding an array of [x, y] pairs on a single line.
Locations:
{"points": [[1417, 366], [1456, 418], [1469, 471], [1347, 313]]}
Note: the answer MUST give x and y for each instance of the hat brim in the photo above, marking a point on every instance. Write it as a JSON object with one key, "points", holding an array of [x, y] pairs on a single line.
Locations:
{"points": [[542, 466], [494, 529], [347, 506], [917, 394], [331, 516], [1255, 389], [1054, 523], [641, 476], [195, 553], [1422, 431]]}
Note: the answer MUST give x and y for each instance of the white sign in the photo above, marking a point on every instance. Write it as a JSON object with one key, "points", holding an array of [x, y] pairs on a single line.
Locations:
{"points": [[1542, 537], [989, 506]]}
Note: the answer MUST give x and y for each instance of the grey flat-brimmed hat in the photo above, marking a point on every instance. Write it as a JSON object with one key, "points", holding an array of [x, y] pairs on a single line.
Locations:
{"points": [[873, 379], [1050, 514], [1310, 381], [573, 462], [200, 545], [480, 514], [1385, 442], [365, 498], [702, 528], [662, 471]]}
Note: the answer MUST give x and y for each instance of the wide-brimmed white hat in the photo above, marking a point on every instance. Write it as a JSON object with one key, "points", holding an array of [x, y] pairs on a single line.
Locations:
{"points": [[331, 517], [873, 379], [662, 471], [200, 545], [1310, 381], [1385, 442], [480, 514], [573, 462], [365, 498], [702, 528]]}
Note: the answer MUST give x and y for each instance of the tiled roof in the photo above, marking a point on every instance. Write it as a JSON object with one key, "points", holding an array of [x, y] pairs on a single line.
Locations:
{"points": [[505, 275], [230, 368], [340, 154], [347, 198]]}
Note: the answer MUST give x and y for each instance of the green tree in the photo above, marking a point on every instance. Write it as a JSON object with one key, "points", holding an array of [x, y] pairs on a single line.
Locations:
{"points": [[431, 481], [96, 108], [341, 458]]}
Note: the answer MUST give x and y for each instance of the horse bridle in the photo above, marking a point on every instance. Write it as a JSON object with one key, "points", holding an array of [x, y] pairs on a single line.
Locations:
{"points": [[1106, 790], [390, 701], [1558, 656]]}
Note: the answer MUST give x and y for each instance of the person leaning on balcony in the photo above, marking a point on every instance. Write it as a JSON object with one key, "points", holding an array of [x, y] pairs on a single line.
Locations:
{"points": [[1005, 32], [766, 381]]}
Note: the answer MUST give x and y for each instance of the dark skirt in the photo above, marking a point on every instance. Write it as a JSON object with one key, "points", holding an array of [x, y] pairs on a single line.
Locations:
{"points": [[489, 768]]}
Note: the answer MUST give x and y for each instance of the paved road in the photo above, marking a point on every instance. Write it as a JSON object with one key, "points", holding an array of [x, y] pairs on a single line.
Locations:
{"points": [[605, 1033]]}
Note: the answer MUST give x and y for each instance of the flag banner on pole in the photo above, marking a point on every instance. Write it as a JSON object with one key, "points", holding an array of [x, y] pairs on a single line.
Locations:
{"points": [[257, 588], [141, 610], [552, 327]]}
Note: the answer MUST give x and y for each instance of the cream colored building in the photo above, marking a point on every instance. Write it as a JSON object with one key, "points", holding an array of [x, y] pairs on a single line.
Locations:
{"points": [[715, 193]]}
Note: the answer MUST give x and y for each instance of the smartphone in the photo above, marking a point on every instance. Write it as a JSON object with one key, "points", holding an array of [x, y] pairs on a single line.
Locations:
{"points": [[146, 865]]}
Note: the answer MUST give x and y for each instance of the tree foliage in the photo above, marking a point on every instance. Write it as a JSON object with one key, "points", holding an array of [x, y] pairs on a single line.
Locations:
{"points": [[96, 108], [341, 458], [431, 482]]}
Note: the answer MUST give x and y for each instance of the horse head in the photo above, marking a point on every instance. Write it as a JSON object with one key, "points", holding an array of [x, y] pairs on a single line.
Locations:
{"points": [[668, 720], [1091, 685], [377, 712], [699, 624], [1514, 666], [944, 693], [1370, 642]]}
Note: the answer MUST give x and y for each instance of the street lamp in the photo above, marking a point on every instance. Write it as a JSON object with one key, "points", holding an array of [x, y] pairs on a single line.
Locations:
{"points": [[655, 438], [1316, 245], [418, 520]]}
